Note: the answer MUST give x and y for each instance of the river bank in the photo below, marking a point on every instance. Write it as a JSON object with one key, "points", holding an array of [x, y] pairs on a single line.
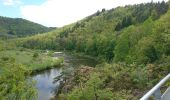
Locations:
{"points": [[45, 80], [81, 54], [33, 60]]}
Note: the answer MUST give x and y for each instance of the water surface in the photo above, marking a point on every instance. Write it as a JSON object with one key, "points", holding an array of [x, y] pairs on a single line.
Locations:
{"points": [[44, 79]]}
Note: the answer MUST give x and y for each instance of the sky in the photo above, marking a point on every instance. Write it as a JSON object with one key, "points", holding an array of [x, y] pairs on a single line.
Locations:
{"points": [[57, 13]]}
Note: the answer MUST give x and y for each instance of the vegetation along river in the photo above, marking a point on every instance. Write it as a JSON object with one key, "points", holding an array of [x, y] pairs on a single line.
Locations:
{"points": [[45, 79]]}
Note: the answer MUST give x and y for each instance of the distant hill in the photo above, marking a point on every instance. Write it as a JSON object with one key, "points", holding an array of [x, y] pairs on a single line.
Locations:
{"points": [[18, 27]]}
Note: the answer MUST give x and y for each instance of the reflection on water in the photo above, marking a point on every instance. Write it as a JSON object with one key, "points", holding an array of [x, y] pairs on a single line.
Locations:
{"points": [[45, 84]]}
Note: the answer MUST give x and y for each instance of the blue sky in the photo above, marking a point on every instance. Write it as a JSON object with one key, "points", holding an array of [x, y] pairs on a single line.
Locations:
{"points": [[11, 8], [57, 13]]}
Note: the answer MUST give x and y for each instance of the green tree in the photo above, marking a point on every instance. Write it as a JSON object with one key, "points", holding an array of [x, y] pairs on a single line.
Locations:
{"points": [[146, 51]]}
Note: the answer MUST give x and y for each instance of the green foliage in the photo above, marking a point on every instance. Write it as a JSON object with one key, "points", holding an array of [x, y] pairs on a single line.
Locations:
{"points": [[146, 51], [40, 41], [92, 90], [127, 21], [6, 45], [123, 46], [35, 55], [107, 82], [14, 82], [1, 45]]}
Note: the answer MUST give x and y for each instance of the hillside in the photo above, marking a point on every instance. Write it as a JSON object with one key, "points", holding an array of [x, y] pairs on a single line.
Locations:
{"points": [[14, 27], [104, 33]]}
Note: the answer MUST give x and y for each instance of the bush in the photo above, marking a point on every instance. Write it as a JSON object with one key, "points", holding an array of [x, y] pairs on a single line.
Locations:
{"points": [[35, 55], [14, 83]]}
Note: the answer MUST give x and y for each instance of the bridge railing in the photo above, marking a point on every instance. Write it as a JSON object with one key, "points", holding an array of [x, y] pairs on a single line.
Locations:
{"points": [[155, 91]]}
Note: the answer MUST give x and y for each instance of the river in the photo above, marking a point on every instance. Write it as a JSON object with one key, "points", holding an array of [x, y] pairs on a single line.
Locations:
{"points": [[44, 79]]}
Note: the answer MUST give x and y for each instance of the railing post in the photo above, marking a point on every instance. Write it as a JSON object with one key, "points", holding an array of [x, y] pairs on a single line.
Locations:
{"points": [[155, 91], [157, 94]]}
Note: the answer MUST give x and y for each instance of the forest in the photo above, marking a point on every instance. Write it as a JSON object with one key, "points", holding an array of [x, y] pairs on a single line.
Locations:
{"points": [[132, 42]]}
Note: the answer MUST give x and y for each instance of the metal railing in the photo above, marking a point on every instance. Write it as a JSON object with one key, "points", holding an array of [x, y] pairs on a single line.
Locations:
{"points": [[155, 91]]}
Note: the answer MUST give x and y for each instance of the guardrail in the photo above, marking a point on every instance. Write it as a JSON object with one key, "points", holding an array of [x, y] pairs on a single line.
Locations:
{"points": [[155, 91]]}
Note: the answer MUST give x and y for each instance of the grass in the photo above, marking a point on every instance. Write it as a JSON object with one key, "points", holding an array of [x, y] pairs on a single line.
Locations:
{"points": [[34, 60]]}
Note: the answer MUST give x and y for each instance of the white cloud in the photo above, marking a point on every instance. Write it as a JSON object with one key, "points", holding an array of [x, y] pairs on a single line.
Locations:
{"points": [[8, 2], [11, 2], [62, 12]]}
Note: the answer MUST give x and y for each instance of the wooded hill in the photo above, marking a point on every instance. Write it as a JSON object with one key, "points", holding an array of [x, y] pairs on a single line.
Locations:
{"points": [[115, 34], [18, 27]]}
